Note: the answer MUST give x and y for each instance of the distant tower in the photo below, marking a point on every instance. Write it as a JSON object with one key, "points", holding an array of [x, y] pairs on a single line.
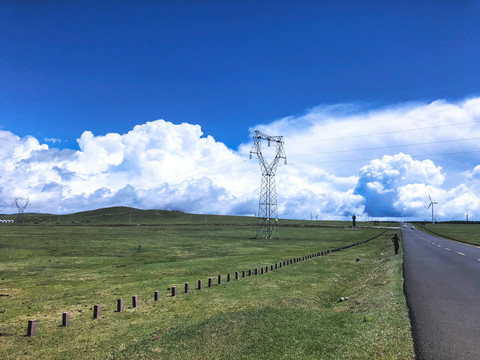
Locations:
{"points": [[431, 204], [267, 203], [21, 204]]}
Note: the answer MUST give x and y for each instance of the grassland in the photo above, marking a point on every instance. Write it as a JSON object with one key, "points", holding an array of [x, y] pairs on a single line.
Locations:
{"points": [[464, 232], [288, 313]]}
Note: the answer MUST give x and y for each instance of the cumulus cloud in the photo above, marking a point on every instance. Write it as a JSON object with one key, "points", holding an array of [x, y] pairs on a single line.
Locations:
{"points": [[342, 160], [390, 185], [155, 165], [391, 158]]}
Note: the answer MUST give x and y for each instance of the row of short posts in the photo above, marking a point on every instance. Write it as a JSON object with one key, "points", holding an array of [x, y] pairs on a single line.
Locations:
{"points": [[229, 277], [32, 324]]}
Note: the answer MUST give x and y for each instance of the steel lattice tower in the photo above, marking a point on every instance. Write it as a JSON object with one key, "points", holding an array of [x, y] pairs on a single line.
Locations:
{"points": [[267, 203], [21, 204]]}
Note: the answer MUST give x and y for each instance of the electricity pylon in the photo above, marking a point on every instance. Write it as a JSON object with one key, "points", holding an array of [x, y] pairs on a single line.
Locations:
{"points": [[267, 220], [21, 204]]}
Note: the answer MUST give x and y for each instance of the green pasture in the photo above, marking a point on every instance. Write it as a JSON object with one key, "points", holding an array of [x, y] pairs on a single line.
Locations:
{"points": [[464, 232], [289, 313], [129, 216]]}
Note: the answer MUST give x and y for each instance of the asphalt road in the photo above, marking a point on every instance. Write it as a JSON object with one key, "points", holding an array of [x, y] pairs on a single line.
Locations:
{"points": [[442, 286]]}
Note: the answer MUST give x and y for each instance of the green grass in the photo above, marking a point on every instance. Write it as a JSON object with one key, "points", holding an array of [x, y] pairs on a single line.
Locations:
{"points": [[466, 232], [125, 216], [290, 313]]}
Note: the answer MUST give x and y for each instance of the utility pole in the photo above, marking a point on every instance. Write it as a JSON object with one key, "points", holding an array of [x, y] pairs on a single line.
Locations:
{"points": [[21, 204], [267, 220]]}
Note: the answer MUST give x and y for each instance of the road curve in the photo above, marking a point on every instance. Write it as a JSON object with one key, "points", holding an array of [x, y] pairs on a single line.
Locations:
{"points": [[442, 287]]}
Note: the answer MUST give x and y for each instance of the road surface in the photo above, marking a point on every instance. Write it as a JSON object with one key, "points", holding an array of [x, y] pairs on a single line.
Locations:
{"points": [[442, 286]]}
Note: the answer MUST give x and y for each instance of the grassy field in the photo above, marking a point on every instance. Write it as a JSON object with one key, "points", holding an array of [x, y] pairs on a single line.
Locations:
{"points": [[130, 216], [289, 313], [466, 232]]}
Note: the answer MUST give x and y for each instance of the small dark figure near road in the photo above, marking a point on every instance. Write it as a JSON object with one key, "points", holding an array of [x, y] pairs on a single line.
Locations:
{"points": [[354, 218], [395, 240]]}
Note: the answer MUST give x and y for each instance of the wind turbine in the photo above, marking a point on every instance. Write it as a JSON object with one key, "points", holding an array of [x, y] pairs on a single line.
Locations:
{"points": [[431, 204]]}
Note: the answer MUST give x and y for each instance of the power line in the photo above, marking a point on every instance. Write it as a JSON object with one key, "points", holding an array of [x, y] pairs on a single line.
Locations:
{"points": [[400, 155], [194, 173], [372, 109], [386, 132], [385, 147], [209, 170], [197, 172]]}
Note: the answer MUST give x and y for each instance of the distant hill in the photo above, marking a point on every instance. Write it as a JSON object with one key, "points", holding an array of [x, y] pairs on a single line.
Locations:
{"points": [[127, 216], [122, 215]]}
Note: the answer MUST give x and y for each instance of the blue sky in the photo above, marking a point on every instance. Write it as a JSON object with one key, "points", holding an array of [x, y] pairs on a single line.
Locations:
{"points": [[105, 66], [70, 69]]}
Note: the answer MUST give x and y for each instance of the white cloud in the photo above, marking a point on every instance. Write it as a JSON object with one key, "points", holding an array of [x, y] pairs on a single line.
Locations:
{"points": [[157, 164], [341, 160], [385, 184]]}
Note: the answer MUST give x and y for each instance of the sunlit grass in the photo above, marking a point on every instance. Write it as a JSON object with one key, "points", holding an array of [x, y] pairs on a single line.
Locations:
{"points": [[466, 232], [291, 312]]}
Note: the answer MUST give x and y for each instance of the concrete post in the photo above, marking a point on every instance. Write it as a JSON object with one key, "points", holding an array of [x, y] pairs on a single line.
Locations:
{"points": [[96, 312], [174, 291], [32, 327], [119, 305], [135, 301], [156, 295], [66, 319], [187, 288], [200, 284]]}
